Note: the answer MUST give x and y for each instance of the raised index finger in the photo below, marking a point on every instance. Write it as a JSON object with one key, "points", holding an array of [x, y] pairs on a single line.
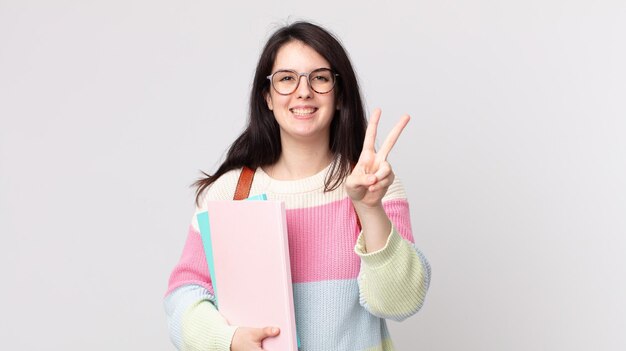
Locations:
{"points": [[370, 133], [391, 139]]}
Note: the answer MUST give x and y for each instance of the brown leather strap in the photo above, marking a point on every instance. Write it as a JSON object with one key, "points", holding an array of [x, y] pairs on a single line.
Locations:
{"points": [[244, 184]]}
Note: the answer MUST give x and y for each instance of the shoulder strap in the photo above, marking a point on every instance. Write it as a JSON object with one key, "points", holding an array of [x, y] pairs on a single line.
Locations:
{"points": [[244, 183]]}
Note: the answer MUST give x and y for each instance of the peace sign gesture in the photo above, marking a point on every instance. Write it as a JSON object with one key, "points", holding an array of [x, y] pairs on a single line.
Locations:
{"points": [[372, 175]]}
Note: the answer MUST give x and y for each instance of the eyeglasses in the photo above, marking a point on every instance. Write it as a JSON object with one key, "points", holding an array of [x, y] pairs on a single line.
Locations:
{"points": [[321, 80]]}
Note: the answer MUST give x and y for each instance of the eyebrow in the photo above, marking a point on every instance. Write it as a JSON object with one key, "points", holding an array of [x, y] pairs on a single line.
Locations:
{"points": [[295, 70]]}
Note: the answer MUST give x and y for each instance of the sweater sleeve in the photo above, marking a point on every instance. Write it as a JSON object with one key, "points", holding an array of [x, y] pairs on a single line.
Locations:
{"points": [[393, 281], [193, 321]]}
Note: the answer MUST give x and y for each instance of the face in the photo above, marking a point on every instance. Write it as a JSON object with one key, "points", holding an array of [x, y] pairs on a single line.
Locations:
{"points": [[304, 115]]}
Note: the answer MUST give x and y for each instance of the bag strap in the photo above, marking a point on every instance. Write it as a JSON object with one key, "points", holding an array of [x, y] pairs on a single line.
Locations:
{"points": [[244, 183]]}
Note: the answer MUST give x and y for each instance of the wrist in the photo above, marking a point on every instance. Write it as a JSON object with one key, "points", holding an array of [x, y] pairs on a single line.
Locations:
{"points": [[366, 209]]}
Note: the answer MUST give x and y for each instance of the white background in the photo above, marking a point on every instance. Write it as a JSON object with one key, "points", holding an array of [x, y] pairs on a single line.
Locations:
{"points": [[514, 162]]}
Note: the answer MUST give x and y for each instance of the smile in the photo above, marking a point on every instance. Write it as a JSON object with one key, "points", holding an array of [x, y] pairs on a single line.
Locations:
{"points": [[303, 111]]}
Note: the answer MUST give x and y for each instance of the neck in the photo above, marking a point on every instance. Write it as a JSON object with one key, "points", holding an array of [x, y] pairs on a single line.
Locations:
{"points": [[300, 160]]}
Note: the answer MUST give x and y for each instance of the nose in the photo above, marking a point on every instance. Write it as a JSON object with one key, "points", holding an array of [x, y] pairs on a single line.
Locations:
{"points": [[303, 90]]}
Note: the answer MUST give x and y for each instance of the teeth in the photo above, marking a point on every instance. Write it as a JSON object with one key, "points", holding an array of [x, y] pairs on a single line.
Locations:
{"points": [[303, 111]]}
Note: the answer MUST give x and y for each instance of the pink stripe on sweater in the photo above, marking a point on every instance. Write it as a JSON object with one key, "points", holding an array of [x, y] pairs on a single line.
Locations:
{"points": [[192, 267], [325, 248], [323, 251]]}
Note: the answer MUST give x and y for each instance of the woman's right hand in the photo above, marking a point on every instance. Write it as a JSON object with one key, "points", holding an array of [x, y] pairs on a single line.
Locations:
{"points": [[251, 339]]}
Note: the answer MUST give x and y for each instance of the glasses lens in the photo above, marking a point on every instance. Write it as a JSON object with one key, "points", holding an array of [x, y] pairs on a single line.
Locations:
{"points": [[285, 82], [322, 80]]}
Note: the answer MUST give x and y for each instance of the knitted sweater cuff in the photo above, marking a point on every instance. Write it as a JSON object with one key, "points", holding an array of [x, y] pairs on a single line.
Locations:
{"points": [[384, 255], [205, 329]]}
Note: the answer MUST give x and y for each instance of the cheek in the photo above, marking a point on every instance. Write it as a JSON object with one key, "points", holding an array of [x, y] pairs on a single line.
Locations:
{"points": [[279, 101], [332, 102]]}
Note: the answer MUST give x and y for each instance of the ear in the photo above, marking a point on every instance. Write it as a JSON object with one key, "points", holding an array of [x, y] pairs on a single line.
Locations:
{"points": [[268, 100]]}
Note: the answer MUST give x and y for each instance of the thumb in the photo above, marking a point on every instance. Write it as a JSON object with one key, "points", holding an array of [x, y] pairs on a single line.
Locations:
{"points": [[361, 180], [268, 332]]}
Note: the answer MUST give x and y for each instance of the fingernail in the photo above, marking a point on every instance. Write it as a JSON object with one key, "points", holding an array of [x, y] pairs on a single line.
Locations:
{"points": [[274, 330]]}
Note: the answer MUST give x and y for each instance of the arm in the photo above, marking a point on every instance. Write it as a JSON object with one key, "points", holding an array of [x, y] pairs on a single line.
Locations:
{"points": [[194, 322], [393, 280], [368, 183], [394, 276]]}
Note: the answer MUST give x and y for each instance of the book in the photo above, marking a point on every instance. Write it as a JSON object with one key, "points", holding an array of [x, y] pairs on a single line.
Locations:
{"points": [[247, 251]]}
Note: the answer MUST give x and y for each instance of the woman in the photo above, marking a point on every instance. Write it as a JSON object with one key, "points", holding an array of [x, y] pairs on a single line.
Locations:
{"points": [[353, 261]]}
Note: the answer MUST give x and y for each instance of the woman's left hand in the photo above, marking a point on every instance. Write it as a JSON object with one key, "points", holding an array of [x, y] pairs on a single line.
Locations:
{"points": [[372, 175]]}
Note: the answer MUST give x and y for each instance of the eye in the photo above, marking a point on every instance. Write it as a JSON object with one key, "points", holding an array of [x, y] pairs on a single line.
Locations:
{"points": [[321, 78], [286, 78]]}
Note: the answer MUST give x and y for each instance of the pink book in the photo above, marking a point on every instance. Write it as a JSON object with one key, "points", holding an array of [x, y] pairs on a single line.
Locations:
{"points": [[252, 273]]}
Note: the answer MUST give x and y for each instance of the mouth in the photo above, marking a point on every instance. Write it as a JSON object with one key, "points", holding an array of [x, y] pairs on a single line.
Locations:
{"points": [[303, 111]]}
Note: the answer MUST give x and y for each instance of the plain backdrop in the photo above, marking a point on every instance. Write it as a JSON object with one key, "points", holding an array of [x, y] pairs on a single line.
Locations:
{"points": [[514, 161]]}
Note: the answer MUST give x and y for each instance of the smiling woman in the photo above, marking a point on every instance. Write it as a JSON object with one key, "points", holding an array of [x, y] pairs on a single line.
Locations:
{"points": [[303, 114], [353, 259]]}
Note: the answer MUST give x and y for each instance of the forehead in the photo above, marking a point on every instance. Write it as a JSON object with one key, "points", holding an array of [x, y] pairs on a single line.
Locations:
{"points": [[298, 56]]}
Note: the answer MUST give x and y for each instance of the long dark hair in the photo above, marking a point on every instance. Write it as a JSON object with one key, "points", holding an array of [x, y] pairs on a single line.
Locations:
{"points": [[259, 144]]}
